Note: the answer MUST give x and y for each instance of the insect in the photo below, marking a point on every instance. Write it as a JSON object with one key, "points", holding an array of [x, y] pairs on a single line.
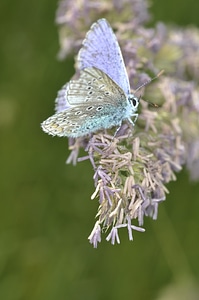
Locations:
{"points": [[100, 98]]}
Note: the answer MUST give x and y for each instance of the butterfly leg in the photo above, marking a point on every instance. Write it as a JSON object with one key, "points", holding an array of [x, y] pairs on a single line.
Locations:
{"points": [[118, 128], [135, 119], [132, 122]]}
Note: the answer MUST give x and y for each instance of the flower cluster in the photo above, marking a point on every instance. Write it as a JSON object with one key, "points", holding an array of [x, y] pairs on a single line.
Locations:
{"points": [[75, 20], [132, 169]]}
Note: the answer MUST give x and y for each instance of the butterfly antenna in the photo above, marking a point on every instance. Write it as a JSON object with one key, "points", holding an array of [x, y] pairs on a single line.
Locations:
{"points": [[146, 83]]}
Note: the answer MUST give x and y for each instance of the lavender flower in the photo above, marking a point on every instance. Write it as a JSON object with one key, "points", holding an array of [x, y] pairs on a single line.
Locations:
{"points": [[75, 20], [131, 170]]}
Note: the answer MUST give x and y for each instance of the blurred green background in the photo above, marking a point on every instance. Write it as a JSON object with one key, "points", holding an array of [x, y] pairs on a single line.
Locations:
{"points": [[46, 213]]}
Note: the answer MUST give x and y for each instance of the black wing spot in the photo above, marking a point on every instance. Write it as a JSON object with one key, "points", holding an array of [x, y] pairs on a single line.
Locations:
{"points": [[78, 113], [99, 108], [89, 108]]}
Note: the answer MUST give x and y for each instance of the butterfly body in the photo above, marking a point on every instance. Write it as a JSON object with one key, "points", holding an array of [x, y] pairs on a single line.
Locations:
{"points": [[100, 98]]}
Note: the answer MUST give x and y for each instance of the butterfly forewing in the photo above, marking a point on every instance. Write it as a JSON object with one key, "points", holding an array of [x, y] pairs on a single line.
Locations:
{"points": [[101, 50], [93, 85]]}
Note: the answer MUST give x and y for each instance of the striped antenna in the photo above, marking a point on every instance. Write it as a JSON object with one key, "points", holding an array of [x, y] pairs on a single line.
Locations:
{"points": [[146, 83]]}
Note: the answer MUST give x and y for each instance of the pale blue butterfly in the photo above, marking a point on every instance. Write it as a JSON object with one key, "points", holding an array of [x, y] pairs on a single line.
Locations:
{"points": [[100, 98]]}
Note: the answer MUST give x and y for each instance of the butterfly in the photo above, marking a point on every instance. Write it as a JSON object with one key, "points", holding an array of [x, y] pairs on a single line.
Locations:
{"points": [[100, 98]]}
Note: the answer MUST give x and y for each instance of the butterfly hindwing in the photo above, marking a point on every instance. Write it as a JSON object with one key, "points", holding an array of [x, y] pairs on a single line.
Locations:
{"points": [[84, 119]]}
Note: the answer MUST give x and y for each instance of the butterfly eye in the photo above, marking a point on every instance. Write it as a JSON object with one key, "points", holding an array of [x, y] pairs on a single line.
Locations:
{"points": [[134, 101]]}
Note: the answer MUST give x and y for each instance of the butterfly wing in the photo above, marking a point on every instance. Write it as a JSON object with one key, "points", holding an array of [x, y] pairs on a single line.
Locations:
{"points": [[87, 88], [101, 50], [102, 106], [82, 120], [92, 85], [61, 102]]}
